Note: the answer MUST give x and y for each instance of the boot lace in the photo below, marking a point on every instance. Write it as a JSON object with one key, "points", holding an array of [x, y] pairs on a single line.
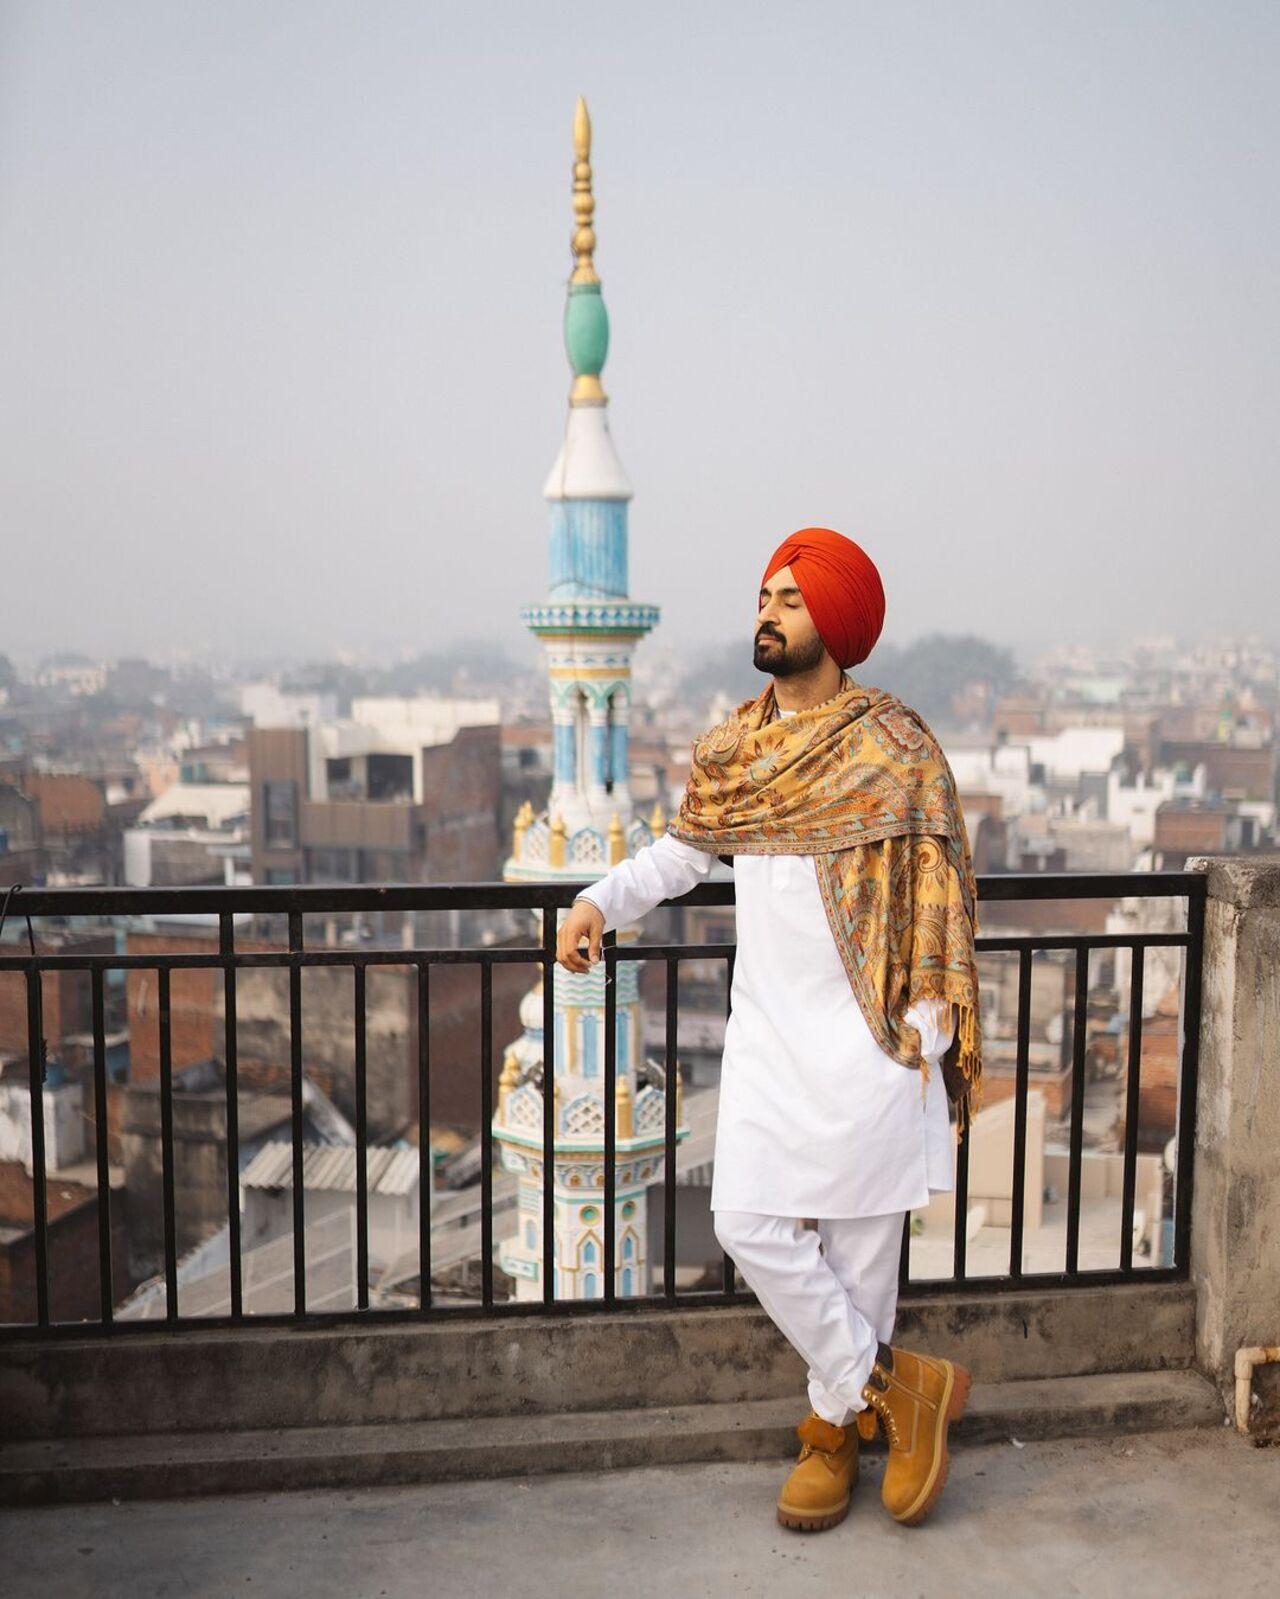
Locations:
{"points": [[816, 1440], [878, 1399]]}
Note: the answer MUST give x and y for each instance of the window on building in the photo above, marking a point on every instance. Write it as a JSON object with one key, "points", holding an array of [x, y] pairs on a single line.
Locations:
{"points": [[280, 813], [581, 724], [389, 777], [333, 866], [383, 866], [340, 781]]}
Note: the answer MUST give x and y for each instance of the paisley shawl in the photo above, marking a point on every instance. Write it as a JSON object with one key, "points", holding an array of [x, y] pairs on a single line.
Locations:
{"points": [[860, 783]]}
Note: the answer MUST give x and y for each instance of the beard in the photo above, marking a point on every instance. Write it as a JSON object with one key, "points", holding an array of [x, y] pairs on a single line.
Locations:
{"points": [[787, 660]]}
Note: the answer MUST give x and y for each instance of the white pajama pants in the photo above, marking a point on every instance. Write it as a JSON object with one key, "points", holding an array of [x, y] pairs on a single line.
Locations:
{"points": [[832, 1291]]}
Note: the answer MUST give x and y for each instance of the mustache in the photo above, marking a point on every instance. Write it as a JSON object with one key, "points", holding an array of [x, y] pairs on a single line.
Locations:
{"points": [[764, 634]]}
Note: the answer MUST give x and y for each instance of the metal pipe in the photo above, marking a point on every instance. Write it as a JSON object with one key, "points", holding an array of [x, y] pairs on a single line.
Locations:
{"points": [[1246, 1359]]}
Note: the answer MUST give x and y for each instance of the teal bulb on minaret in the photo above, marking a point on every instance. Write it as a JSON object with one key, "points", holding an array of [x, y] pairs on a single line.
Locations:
{"points": [[586, 330]]}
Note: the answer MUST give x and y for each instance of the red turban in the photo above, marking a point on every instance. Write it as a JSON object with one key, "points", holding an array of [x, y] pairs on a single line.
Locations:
{"points": [[841, 589]]}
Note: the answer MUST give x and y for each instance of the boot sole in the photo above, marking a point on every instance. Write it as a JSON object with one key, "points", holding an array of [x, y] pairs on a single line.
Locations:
{"points": [[809, 1521], [954, 1398], [816, 1520]]}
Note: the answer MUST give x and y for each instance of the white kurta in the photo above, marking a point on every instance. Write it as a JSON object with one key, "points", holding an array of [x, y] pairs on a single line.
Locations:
{"points": [[815, 1119]]}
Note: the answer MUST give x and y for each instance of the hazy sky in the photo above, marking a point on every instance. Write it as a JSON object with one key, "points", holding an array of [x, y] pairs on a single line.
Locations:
{"points": [[990, 287]]}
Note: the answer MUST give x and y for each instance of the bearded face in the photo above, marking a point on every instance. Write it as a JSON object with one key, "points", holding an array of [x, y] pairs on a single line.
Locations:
{"points": [[786, 640]]}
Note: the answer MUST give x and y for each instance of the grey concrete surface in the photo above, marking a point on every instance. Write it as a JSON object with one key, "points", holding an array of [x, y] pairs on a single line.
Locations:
{"points": [[180, 1465], [1144, 1515]]}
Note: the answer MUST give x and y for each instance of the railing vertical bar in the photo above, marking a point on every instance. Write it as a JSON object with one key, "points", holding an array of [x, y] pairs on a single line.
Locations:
{"points": [[549, 929], [486, 1132], [35, 1084], [295, 1085], [362, 1137], [609, 1264], [1021, 1084], [1184, 1171], [426, 1174], [1079, 1024], [230, 1049], [729, 1267], [669, 1173], [1132, 1091], [166, 1149], [105, 1294], [960, 1230]]}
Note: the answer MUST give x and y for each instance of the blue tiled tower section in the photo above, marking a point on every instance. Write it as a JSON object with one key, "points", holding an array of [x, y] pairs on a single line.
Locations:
{"points": [[588, 549]]}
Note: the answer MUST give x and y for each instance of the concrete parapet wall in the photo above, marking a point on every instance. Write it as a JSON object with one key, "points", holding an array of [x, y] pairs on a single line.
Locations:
{"points": [[158, 1382], [1235, 1223]]}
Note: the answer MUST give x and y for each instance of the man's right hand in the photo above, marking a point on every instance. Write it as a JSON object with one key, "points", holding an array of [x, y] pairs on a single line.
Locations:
{"points": [[584, 920]]}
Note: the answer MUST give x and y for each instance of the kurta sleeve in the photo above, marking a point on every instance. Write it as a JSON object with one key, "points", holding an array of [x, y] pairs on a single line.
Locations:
{"points": [[662, 870], [936, 1027]]}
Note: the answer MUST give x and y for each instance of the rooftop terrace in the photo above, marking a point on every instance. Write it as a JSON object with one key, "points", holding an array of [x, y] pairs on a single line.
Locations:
{"points": [[638, 1439]]}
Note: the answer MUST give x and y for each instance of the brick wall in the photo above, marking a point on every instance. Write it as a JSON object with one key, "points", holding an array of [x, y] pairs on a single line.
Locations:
{"points": [[72, 1243], [66, 996], [461, 804]]}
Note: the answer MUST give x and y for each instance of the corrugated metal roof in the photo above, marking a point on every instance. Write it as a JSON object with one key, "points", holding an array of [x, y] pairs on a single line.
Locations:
{"points": [[333, 1167]]}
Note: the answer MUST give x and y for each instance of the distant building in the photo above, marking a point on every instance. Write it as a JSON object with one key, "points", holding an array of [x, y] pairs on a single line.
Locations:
{"points": [[66, 826], [195, 832], [401, 791], [72, 1244], [267, 705], [329, 1180], [200, 1151]]}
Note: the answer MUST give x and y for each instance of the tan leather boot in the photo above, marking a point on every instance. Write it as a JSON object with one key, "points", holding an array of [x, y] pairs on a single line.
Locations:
{"points": [[816, 1494], [916, 1397]]}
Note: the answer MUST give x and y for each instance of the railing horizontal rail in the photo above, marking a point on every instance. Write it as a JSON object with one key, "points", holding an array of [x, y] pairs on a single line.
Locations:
{"points": [[419, 956], [318, 898], [691, 1298]]}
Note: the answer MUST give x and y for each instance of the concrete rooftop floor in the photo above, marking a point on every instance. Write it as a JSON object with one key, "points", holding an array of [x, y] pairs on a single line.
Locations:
{"points": [[1145, 1514]]}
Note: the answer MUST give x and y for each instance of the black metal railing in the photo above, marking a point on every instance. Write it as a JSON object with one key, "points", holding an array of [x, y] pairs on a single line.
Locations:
{"points": [[296, 902]]}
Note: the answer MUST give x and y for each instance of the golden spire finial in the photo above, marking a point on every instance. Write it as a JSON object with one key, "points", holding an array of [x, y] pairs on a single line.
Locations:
{"points": [[584, 204]]}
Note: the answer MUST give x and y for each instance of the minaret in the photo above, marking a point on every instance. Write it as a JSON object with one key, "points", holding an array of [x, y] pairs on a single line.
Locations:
{"points": [[589, 627]]}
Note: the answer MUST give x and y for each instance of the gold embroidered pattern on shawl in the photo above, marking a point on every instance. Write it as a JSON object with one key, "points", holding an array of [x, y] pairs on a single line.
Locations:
{"points": [[862, 784]]}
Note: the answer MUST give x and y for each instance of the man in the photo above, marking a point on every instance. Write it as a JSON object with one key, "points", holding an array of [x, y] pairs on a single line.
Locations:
{"points": [[855, 973]]}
